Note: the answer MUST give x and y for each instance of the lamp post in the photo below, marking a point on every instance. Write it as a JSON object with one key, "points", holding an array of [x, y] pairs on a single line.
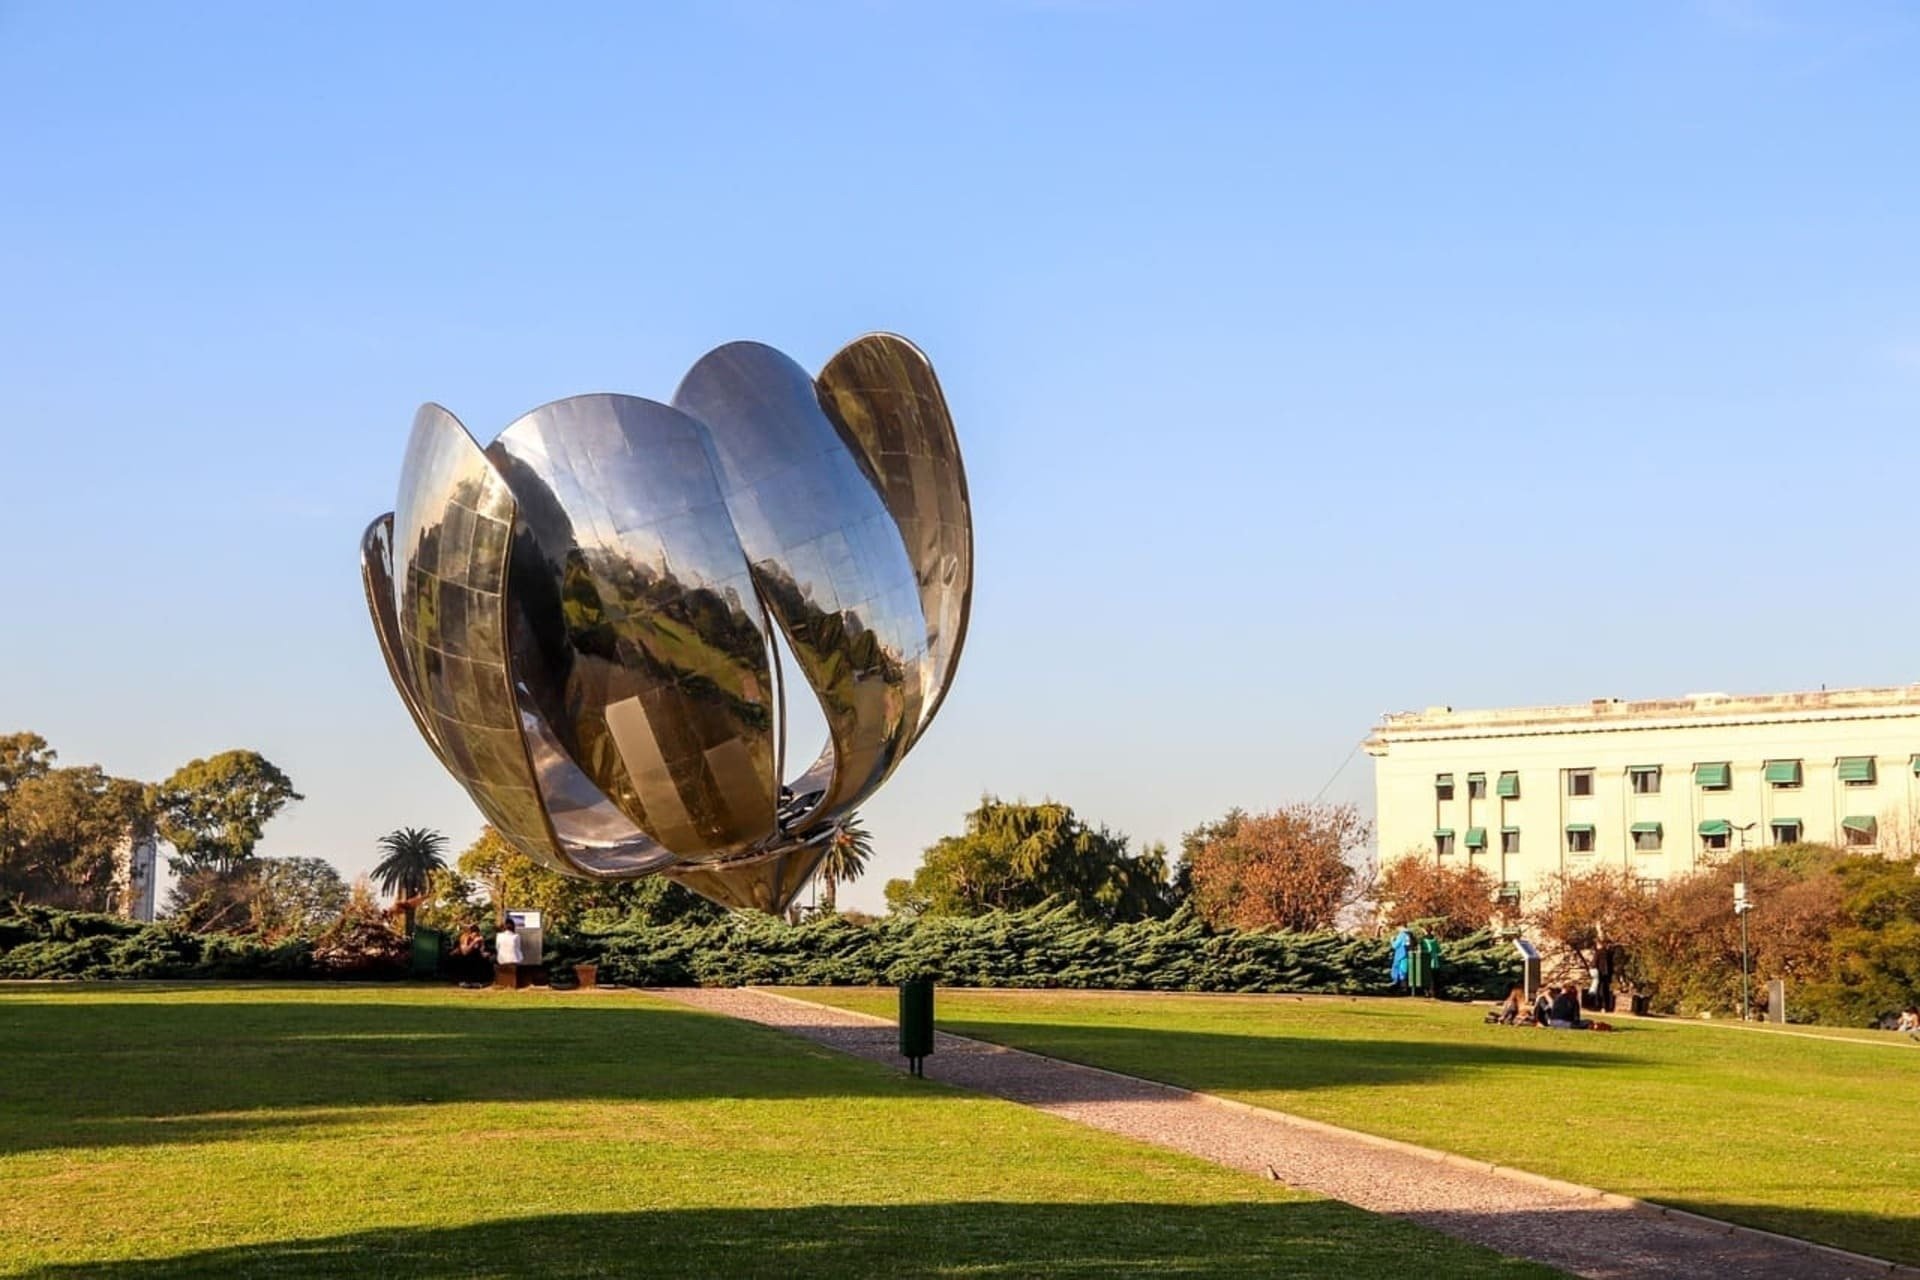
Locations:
{"points": [[1742, 905]]}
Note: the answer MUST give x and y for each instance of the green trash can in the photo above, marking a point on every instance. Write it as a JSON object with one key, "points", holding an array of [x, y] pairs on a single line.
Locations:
{"points": [[916, 1022], [425, 959], [1429, 953]]}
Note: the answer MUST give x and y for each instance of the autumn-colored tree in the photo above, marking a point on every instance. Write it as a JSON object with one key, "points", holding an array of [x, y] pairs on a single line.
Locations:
{"points": [[1578, 915], [1292, 868], [1451, 901], [1688, 958]]}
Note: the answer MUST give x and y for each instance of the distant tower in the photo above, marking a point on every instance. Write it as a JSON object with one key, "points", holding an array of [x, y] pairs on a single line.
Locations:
{"points": [[133, 875]]}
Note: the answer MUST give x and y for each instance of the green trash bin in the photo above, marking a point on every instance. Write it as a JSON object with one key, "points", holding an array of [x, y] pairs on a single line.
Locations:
{"points": [[427, 946], [1430, 958], [916, 1022]]}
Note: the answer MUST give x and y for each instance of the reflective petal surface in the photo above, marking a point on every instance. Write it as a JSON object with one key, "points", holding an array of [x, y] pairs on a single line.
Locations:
{"points": [[452, 528], [883, 397], [577, 617], [828, 560], [648, 654]]}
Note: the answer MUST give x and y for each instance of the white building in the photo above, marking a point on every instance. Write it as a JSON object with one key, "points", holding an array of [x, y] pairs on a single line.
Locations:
{"points": [[1654, 787], [135, 867]]}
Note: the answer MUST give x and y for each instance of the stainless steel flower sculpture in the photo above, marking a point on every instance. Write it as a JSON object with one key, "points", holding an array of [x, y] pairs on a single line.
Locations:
{"points": [[577, 614]]}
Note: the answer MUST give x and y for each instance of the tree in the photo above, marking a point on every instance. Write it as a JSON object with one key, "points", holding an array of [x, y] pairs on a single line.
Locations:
{"points": [[1873, 958], [63, 831], [1451, 901], [413, 854], [212, 811], [296, 896], [1583, 913], [847, 853], [1289, 869], [1016, 855]]}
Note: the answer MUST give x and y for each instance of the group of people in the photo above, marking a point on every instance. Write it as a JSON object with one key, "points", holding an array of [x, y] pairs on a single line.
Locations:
{"points": [[1909, 1020], [1555, 1007]]}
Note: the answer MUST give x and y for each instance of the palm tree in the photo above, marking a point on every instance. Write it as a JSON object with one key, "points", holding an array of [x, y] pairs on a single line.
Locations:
{"points": [[847, 854], [413, 854]]}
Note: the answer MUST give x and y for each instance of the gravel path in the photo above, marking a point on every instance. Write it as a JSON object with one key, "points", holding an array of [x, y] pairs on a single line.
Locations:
{"points": [[1515, 1213]]}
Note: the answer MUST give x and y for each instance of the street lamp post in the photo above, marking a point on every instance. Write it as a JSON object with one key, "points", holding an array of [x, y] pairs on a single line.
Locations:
{"points": [[1741, 905]]}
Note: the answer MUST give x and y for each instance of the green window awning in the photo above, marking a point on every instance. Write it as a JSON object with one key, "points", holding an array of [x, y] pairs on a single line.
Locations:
{"points": [[1646, 828], [1442, 780], [1783, 773], [1509, 831], [1579, 828], [1858, 822], [1643, 768], [1716, 827], [1476, 837], [1855, 769], [1509, 786], [1713, 775], [1916, 765], [1476, 777], [1786, 824], [1443, 833]]}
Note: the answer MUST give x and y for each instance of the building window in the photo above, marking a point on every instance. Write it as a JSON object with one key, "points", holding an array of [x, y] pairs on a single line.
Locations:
{"points": [[1580, 838], [1476, 839], [1476, 786], [1443, 786], [1644, 779], [1859, 830], [1509, 839], [1443, 841], [1783, 774], [1717, 776], [1647, 884], [1509, 786], [1716, 834], [1510, 893], [1786, 830], [1646, 837], [1856, 771], [1579, 782]]}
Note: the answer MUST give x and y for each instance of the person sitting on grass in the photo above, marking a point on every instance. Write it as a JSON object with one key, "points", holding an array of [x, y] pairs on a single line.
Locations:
{"points": [[1507, 1013], [1563, 1013], [1543, 1008], [1909, 1020]]}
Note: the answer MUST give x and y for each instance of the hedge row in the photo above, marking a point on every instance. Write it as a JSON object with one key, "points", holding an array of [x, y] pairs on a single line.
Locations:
{"points": [[1042, 947]]}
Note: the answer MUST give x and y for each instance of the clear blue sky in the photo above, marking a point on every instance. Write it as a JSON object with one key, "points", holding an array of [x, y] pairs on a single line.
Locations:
{"points": [[1310, 361]]}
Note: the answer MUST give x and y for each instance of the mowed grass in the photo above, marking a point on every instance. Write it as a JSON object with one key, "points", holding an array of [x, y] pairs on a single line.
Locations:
{"points": [[294, 1131], [1813, 1137]]}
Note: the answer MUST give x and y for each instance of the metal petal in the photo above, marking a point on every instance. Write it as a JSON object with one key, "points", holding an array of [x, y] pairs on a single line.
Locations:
{"points": [[881, 392], [828, 561], [646, 648], [766, 884], [376, 575], [452, 527]]}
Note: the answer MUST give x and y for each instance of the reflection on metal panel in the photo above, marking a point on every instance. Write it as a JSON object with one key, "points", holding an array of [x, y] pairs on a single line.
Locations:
{"points": [[828, 559], [576, 617], [883, 397], [451, 528]]}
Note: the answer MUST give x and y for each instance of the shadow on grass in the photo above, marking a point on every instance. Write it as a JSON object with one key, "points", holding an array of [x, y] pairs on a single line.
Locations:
{"points": [[1212, 1061], [1270, 1238], [92, 1072]]}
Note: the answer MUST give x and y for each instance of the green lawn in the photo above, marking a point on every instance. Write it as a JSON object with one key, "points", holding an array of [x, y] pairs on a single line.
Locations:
{"points": [[1818, 1138], [286, 1131]]}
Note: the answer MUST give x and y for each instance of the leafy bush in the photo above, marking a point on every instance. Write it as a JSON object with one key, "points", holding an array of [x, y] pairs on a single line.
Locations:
{"points": [[1044, 946]]}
